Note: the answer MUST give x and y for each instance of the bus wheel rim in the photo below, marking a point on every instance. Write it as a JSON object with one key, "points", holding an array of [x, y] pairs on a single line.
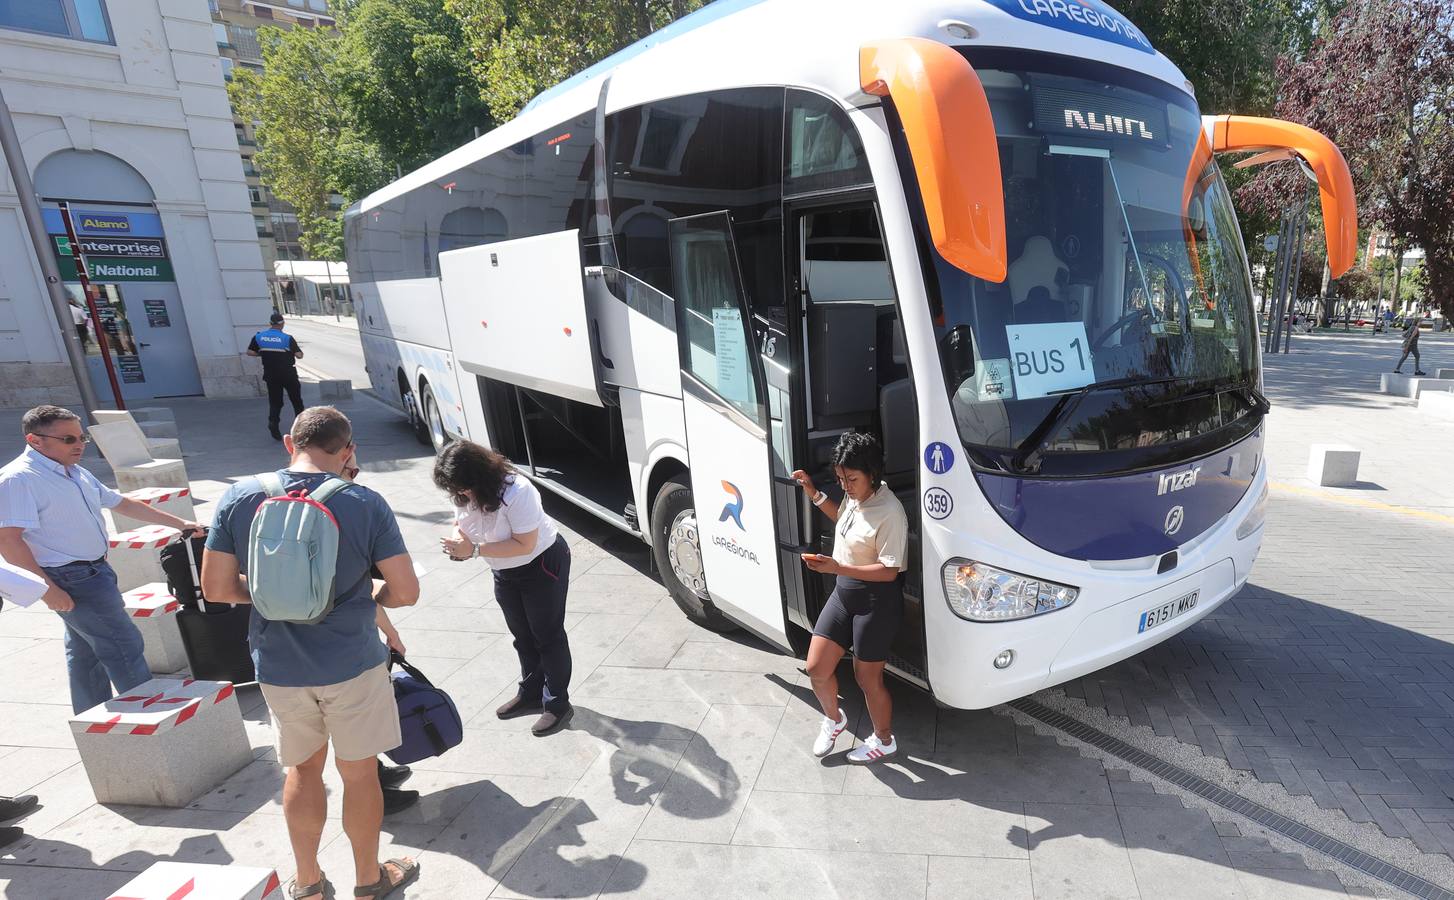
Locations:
{"points": [[685, 553], [436, 422]]}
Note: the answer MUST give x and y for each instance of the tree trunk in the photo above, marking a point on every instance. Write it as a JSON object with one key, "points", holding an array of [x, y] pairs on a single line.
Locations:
{"points": [[1398, 274], [1327, 295]]}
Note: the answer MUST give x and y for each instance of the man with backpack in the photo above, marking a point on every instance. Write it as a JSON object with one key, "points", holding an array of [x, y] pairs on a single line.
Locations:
{"points": [[300, 545]]}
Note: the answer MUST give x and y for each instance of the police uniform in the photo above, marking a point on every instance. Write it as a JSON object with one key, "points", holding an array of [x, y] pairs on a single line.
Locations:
{"points": [[280, 371]]}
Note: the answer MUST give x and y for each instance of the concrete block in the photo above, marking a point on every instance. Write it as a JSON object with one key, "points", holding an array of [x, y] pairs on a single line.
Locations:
{"points": [[166, 743], [175, 500], [164, 448], [1333, 465], [154, 611], [1411, 386], [1437, 405], [327, 392], [165, 880], [1444, 373], [157, 473], [155, 430], [136, 555], [152, 414]]}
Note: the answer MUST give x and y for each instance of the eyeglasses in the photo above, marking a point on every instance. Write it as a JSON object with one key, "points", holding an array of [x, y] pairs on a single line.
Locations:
{"points": [[67, 439]]}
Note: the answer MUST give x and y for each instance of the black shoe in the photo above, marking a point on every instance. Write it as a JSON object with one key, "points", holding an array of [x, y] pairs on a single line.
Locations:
{"points": [[10, 836], [15, 807], [1417, 372], [551, 722], [519, 706], [391, 777], [398, 801], [273, 430]]}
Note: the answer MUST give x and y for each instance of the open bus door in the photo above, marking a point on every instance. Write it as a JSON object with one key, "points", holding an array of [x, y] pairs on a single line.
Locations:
{"points": [[728, 426]]}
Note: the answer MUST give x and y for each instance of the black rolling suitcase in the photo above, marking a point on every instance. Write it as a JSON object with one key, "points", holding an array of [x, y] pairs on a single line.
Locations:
{"points": [[214, 635]]}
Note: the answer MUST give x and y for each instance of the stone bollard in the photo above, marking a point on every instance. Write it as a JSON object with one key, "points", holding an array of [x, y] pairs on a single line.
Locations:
{"points": [[1437, 405], [157, 473], [1333, 465], [152, 414], [175, 880], [1444, 373], [327, 391], [137, 555], [154, 611], [166, 743], [177, 501]]}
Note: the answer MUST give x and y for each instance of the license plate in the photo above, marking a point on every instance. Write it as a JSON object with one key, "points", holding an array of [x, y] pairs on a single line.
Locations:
{"points": [[1164, 613]]}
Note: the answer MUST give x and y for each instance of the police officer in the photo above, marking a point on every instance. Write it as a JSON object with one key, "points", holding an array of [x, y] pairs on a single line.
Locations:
{"points": [[280, 352]]}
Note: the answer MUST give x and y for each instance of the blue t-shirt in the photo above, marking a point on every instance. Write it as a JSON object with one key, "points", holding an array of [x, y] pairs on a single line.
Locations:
{"points": [[346, 643]]}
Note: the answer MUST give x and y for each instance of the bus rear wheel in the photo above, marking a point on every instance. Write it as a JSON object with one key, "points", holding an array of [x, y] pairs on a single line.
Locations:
{"points": [[433, 420], [676, 544]]}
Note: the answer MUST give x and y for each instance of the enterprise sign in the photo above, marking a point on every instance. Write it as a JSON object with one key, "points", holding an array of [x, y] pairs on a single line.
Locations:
{"points": [[123, 248], [1089, 18]]}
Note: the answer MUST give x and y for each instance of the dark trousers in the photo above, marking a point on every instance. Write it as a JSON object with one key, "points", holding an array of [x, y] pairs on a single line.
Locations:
{"points": [[276, 386], [532, 597], [1412, 350]]}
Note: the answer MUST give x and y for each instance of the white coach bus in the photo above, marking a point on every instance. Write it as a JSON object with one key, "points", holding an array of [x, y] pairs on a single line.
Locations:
{"points": [[991, 231]]}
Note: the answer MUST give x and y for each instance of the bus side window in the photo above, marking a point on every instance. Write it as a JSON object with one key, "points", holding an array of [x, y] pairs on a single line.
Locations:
{"points": [[823, 149]]}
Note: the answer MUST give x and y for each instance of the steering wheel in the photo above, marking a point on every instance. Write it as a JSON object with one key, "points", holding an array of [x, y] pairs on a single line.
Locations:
{"points": [[1134, 315]]}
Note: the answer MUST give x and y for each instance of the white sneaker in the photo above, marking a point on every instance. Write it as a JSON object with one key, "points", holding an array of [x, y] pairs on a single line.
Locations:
{"points": [[873, 750], [828, 734]]}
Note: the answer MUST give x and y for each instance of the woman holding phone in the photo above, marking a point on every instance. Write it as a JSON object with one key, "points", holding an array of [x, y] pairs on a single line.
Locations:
{"points": [[863, 613], [498, 516]]}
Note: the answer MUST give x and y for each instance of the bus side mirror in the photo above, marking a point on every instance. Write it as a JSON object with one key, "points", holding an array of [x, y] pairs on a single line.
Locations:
{"points": [[951, 134], [1280, 140]]}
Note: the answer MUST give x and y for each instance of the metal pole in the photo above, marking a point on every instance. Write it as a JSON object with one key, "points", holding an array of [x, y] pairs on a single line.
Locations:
{"points": [[1274, 333], [40, 241], [83, 274], [1300, 224], [328, 270]]}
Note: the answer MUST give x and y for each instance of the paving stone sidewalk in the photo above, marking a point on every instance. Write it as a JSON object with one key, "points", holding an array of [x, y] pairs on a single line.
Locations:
{"points": [[1333, 672], [687, 771]]}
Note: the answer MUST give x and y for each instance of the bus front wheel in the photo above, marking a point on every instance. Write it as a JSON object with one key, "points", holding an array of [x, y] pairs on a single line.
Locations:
{"points": [[676, 544]]}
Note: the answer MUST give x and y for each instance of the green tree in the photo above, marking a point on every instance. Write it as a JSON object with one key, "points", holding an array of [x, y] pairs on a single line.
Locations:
{"points": [[521, 47], [407, 78], [308, 147]]}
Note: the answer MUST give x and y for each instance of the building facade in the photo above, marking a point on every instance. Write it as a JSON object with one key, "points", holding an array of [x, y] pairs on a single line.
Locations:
{"points": [[125, 124], [235, 28]]}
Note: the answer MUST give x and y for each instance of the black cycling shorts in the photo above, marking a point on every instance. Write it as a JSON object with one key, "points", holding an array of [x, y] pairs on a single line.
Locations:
{"points": [[862, 616]]}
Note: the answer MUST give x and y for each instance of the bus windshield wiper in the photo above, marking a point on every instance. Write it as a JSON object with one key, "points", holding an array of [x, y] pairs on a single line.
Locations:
{"points": [[1244, 390], [1027, 458]]}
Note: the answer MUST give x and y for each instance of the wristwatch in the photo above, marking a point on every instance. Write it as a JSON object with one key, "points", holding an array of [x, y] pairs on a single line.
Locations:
{"points": [[819, 498], [474, 550]]}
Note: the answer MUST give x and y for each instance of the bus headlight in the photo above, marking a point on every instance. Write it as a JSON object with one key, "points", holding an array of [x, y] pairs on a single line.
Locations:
{"points": [[984, 593], [1255, 518]]}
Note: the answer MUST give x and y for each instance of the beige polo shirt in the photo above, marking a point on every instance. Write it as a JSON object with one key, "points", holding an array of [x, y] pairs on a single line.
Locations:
{"points": [[875, 531]]}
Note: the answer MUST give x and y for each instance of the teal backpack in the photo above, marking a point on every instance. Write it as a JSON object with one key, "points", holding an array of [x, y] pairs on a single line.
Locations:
{"points": [[292, 553]]}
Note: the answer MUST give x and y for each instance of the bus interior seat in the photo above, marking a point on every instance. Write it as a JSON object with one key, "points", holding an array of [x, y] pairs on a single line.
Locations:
{"points": [[1039, 307], [843, 357], [1036, 266]]}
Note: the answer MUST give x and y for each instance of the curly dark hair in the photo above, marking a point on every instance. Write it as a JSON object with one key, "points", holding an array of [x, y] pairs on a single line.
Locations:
{"points": [[861, 451], [467, 466]]}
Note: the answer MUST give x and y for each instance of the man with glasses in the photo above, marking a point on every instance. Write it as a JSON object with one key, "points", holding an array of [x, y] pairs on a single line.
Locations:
{"points": [[51, 525]]}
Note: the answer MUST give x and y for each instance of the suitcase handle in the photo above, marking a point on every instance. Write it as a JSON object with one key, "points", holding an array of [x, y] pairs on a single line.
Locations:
{"points": [[396, 660]]}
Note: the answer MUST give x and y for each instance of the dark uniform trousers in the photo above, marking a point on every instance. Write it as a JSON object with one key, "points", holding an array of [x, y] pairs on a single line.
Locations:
{"points": [[276, 386]]}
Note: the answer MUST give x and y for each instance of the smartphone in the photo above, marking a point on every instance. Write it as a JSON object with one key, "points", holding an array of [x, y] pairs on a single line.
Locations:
{"points": [[807, 557]]}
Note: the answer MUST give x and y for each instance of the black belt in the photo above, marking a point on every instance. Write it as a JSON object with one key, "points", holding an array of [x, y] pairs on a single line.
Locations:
{"points": [[81, 562]]}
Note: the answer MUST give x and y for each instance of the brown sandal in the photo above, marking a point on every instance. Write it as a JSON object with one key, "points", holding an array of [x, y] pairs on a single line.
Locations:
{"points": [[382, 888], [298, 892]]}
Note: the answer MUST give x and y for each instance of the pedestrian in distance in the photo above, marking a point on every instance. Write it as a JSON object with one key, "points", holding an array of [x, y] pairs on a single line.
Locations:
{"points": [[1410, 344], [280, 354], [499, 516], [326, 681], [867, 604], [51, 526]]}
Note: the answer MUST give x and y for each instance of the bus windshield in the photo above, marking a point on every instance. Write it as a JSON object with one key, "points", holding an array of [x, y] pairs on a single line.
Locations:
{"points": [[1123, 335]]}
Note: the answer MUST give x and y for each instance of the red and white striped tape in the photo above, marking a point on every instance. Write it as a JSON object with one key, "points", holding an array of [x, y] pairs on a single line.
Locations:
{"points": [[156, 494], [146, 538], [150, 600], [201, 881], [156, 706]]}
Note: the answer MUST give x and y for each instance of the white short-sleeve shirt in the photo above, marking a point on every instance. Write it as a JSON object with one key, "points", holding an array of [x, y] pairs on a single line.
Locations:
{"points": [[520, 512], [875, 531]]}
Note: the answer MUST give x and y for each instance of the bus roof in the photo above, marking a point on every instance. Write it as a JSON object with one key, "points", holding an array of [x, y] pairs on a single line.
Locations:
{"points": [[804, 43]]}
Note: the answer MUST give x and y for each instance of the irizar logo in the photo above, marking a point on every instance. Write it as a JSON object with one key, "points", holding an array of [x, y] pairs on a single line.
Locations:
{"points": [[1107, 124], [1174, 520], [1177, 481]]}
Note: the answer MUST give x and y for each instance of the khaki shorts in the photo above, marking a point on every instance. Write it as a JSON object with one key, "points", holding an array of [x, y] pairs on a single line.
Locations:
{"points": [[359, 715]]}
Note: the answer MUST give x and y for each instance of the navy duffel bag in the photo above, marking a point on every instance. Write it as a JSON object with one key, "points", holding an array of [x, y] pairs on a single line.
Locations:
{"points": [[427, 718]]}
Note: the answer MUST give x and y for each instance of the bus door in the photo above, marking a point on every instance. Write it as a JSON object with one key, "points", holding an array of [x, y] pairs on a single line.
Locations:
{"points": [[725, 404]]}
